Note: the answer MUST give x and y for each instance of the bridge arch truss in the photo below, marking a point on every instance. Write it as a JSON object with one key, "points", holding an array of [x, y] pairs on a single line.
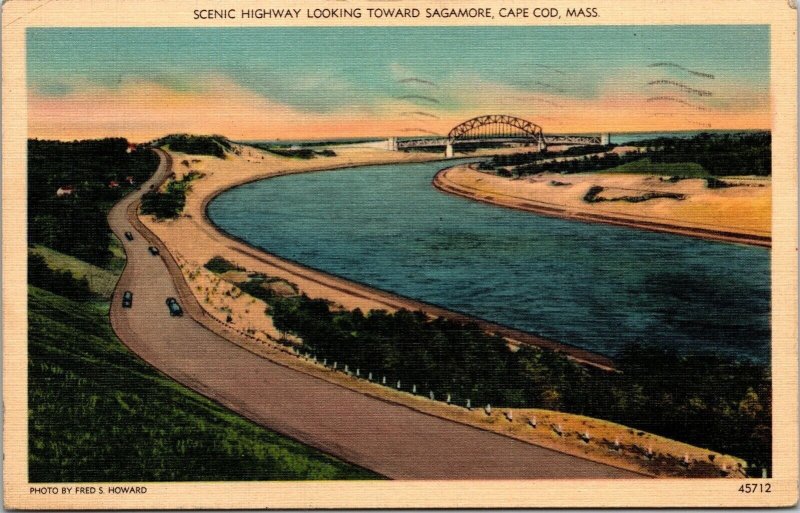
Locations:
{"points": [[496, 126]]}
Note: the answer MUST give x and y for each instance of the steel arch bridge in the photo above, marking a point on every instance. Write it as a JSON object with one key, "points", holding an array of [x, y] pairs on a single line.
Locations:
{"points": [[496, 126], [499, 128]]}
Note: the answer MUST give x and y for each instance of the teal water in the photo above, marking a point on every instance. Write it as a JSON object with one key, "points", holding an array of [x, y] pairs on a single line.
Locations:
{"points": [[589, 285]]}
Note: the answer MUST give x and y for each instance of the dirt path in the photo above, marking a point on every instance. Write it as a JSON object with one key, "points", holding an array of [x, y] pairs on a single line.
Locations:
{"points": [[388, 438]]}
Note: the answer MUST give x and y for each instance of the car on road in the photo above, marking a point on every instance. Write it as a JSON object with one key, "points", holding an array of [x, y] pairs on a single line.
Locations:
{"points": [[153, 250], [129, 235], [174, 308], [127, 299]]}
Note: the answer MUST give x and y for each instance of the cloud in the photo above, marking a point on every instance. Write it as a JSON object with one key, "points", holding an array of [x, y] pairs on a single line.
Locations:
{"points": [[144, 109]]}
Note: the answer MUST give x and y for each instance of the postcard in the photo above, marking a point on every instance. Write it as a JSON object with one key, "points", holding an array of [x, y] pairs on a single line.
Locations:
{"points": [[407, 254]]}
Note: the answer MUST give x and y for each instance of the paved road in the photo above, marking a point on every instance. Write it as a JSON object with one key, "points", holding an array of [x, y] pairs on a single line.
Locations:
{"points": [[390, 439]]}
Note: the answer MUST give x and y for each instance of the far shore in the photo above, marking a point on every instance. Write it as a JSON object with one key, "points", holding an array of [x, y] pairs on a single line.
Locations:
{"points": [[739, 214]]}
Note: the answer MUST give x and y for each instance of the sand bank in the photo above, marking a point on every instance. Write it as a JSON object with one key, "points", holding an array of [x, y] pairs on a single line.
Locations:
{"points": [[741, 213]]}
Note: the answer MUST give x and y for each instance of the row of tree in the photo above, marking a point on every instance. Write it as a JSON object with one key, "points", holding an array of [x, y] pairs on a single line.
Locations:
{"points": [[517, 159], [703, 399], [582, 165], [718, 154]]}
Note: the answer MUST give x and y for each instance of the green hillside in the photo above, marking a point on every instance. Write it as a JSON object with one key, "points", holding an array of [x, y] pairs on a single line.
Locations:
{"points": [[99, 413], [101, 281], [646, 166]]}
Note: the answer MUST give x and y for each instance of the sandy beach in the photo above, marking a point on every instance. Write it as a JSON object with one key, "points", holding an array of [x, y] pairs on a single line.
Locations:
{"points": [[739, 213]]}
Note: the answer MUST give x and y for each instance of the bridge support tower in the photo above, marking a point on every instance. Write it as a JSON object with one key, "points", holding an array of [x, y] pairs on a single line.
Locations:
{"points": [[391, 144], [448, 151], [605, 139]]}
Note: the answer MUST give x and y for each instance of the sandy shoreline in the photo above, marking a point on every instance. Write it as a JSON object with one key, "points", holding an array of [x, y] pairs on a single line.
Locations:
{"points": [[735, 220]]}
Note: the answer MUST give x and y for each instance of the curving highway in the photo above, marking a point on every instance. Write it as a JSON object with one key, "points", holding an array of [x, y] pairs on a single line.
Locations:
{"points": [[387, 438]]}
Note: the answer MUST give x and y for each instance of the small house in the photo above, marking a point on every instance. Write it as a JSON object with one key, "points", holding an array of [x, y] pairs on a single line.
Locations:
{"points": [[113, 184], [65, 190]]}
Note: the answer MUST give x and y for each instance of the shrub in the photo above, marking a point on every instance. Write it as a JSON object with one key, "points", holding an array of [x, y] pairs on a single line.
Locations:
{"points": [[220, 265]]}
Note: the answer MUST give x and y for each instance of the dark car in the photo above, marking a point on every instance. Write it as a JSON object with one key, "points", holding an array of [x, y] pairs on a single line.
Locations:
{"points": [[129, 235], [127, 299], [174, 308], [153, 250]]}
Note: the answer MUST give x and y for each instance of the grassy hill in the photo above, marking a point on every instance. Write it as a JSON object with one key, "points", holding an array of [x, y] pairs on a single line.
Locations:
{"points": [[214, 145], [646, 166], [99, 413], [101, 281]]}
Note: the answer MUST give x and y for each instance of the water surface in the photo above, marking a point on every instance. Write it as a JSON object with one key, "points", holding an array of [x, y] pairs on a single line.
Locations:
{"points": [[594, 286]]}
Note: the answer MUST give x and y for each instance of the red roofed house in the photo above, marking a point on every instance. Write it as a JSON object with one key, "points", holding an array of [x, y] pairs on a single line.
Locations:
{"points": [[113, 184], [65, 190]]}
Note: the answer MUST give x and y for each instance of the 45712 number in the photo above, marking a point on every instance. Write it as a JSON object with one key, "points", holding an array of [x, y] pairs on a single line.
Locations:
{"points": [[755, 488]]}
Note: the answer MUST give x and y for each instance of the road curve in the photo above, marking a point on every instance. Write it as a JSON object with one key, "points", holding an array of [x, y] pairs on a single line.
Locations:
{"points": [[387, 438]]}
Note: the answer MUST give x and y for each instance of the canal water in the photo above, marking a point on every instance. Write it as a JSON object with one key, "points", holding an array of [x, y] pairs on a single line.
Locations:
{"points": [[593, 286]]}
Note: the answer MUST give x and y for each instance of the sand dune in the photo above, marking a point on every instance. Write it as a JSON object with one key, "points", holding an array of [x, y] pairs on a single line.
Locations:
{"points": [[740, 213]]}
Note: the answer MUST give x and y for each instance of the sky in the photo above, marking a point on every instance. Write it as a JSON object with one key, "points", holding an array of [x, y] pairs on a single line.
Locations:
{"points": [[318, 83]]}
